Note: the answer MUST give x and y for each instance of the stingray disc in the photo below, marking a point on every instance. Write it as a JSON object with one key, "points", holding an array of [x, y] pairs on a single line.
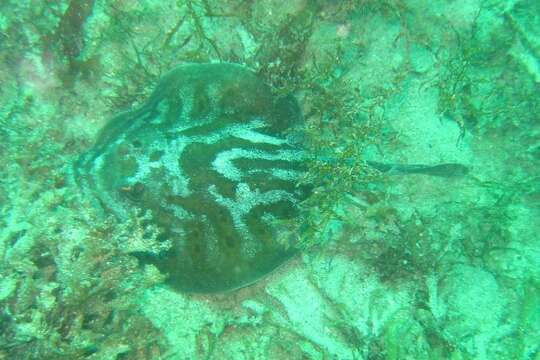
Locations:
{"points": [[210, 157]]}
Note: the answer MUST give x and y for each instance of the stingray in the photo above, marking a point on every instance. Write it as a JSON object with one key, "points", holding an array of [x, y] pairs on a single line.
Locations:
{"points": [[214, 160]]}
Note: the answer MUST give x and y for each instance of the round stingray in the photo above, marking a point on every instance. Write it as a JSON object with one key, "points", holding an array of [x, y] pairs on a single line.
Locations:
{"points": [[210, 158]]}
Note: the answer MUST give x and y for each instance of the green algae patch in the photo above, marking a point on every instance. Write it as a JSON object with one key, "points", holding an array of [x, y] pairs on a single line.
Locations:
{"points": [[400, 267]]}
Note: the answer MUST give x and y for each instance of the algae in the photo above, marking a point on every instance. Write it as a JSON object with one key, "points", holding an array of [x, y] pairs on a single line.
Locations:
{"points": [[393, 267]]}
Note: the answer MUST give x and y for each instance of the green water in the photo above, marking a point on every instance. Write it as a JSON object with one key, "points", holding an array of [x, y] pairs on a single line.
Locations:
{"points": [[389, 264]]}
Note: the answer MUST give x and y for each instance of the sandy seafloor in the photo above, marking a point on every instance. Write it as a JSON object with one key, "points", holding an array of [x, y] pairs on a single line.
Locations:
{"points": [[401, 267]]}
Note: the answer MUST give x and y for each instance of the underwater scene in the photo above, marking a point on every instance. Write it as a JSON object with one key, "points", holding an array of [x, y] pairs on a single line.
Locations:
{"points": [[269, 179]]}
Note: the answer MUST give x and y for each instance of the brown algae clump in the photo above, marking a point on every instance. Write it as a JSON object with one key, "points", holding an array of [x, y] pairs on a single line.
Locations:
{"points": [[210, 157]]}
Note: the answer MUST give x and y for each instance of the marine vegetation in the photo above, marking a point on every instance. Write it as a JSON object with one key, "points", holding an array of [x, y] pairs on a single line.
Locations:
{"points": [[98, 196]]}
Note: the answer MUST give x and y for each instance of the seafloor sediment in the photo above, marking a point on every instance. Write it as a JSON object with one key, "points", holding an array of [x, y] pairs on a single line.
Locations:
{"points": [[392, 267]]}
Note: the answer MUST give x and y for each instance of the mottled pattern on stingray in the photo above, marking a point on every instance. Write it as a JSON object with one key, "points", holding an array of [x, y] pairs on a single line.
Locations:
{"points": [[211, 157]]}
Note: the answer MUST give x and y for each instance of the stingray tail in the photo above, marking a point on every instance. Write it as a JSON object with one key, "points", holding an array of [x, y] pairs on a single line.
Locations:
{"points": [[441, 170]]}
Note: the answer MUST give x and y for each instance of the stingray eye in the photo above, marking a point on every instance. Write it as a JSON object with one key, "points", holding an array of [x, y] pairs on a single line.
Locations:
{"points": [[134, 192]]}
